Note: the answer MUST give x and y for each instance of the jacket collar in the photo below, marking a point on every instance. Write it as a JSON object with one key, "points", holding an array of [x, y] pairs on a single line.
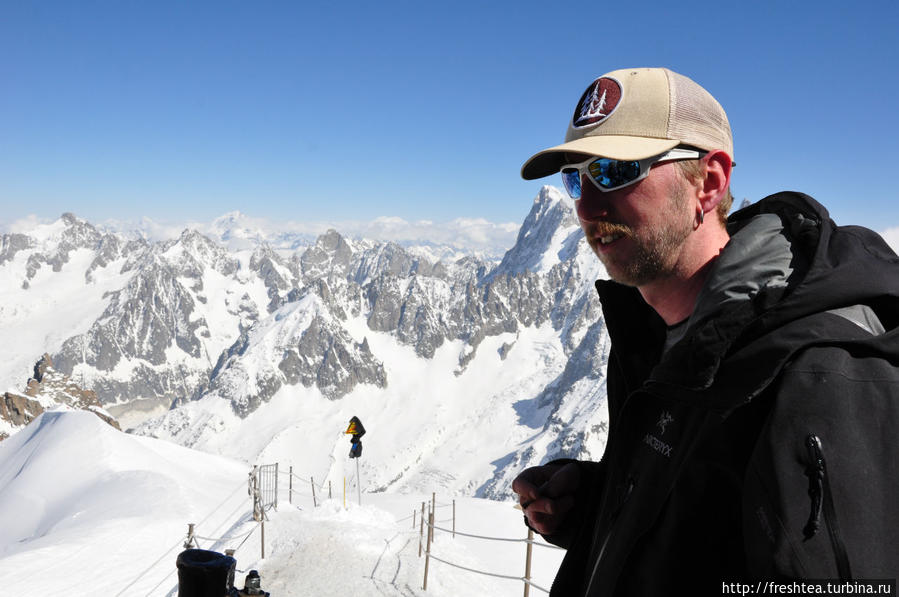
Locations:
{"points": [[786, 264], [771, 246]]}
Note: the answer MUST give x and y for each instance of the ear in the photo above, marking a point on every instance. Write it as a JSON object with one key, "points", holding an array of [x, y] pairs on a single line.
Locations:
{"points": [[717, 179]]}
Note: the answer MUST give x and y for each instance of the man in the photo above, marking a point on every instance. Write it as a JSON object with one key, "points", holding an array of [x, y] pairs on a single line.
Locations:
{"points": [[753, 389]]}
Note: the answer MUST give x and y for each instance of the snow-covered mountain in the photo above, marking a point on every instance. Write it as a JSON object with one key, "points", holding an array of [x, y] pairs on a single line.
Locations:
{"points": [[254, 349]]}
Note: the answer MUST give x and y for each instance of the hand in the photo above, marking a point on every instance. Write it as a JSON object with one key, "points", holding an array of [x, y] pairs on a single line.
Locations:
{"points": [[546, 494]]}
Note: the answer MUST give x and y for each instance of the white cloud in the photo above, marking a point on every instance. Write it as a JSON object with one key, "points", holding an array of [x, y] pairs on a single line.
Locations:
{"points": [[891, 235], [22, 225], [461, 232], [465, 234], [148, 228]]}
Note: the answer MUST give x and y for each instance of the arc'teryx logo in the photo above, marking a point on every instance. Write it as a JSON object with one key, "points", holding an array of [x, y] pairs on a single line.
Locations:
{"points": [[658, 445], [664, 420], [655, 443]]}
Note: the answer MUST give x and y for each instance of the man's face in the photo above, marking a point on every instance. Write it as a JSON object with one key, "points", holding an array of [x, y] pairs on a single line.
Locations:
{"points": [[638, 232]]}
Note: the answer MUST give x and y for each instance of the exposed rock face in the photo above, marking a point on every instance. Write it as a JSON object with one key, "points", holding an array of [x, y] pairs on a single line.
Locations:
{"points": [[302, 343], [46, 389], [18, 410], [10, 244]]}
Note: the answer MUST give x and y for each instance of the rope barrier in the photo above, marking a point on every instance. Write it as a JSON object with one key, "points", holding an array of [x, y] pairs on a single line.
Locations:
{"points": [[234, 511], [304, 480], [150, 567], [224, 501], [535, 585], [435, 527], [433, 557], [431, 527], [485, 573], [222, 539], [497, 538], [302, 493], [543, 544], [153, 590], [245, 538]]}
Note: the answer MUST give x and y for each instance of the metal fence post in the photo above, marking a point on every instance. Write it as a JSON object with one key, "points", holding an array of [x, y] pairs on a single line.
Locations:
{"points": [[290, 485], [312, 483], [527, 564], [431, 518], [257, 506], [424, 586], [421, 528], [190, 536]]}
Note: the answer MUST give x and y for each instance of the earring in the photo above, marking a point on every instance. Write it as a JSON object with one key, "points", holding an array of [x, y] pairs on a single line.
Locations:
{"points": [[701, 217]]}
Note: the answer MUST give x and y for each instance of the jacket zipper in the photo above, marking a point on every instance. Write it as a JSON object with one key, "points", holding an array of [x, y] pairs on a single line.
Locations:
{"points": [[822, 499], [608, 535]]}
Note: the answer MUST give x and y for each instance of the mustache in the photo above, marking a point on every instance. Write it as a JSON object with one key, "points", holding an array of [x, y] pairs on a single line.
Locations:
{"points": [[603, 228]]}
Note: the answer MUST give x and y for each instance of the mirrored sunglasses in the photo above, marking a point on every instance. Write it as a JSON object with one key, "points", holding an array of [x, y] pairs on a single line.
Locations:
{"points": [[609, 175]]}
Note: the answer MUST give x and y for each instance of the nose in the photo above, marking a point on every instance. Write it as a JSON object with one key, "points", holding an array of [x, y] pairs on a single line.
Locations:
{"points": [[593, 204]]}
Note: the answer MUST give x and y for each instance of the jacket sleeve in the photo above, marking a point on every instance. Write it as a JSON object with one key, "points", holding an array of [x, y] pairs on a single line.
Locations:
{"points": [[821, 486], [582, 515]]}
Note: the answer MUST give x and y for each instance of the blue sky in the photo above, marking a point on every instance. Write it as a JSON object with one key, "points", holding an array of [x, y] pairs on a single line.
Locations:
{"points": [[419, 110]]}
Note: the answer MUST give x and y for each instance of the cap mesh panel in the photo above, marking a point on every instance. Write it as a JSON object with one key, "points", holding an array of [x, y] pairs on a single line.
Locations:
{"points": [[696, 118]]}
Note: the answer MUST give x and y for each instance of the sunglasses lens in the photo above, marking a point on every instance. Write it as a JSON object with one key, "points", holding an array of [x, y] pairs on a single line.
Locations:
{"points": [[571, 178], [610, 174]]}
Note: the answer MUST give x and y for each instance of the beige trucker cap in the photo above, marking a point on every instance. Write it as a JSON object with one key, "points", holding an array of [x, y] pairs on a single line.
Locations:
{"points": [[636, 113]]}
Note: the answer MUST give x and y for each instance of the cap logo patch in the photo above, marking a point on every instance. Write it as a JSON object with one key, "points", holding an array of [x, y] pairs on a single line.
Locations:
{"points": [[597, 103]]}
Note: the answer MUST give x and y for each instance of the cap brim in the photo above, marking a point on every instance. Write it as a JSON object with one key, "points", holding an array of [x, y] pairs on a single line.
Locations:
{"points": [[618, 147]]}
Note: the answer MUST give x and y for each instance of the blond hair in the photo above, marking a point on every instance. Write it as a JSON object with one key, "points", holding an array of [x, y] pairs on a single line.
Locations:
{"points": [[693, 171]]}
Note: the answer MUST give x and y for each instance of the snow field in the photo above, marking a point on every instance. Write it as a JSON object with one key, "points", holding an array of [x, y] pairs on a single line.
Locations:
{"points": [[84, 505], [86, 509]]}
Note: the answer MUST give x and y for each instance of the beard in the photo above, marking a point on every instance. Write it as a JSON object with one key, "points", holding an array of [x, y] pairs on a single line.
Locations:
{"points": [[656, 248]]}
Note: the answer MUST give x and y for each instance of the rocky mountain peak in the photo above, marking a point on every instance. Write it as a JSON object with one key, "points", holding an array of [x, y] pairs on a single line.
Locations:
{"points": [[41, 367], [78, 233], [194, 251], [331, 252], [47, 389], [551, 221], [332, 242]]}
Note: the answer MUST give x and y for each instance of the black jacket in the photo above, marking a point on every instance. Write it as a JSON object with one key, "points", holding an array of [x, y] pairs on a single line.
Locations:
{"points": [[762, 443]]}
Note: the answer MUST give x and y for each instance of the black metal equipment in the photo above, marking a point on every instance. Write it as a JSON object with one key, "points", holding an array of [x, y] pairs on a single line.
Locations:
{"points": [[203, 573], [251, 585]]}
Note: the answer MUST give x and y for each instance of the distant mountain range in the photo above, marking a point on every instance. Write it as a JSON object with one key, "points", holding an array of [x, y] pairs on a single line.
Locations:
{"points": [[465, 368]]}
